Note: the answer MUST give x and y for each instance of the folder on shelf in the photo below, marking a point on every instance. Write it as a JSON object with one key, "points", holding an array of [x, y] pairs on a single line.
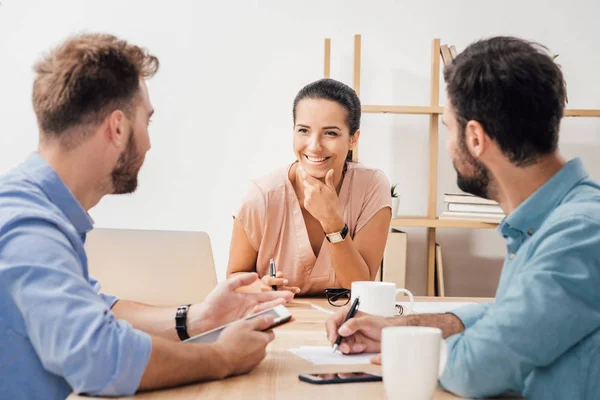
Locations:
{"points": [[394, 258]]}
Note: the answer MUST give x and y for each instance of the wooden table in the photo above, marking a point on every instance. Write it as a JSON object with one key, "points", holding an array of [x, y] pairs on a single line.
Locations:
{"points": [[277, 376]]}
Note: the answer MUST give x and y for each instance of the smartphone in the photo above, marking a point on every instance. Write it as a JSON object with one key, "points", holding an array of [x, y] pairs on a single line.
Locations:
{"points": [[279, 313], [340, 377]]}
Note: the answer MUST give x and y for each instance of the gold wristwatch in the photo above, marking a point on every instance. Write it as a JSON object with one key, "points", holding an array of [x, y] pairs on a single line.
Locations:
{"points": [[337, 237]]}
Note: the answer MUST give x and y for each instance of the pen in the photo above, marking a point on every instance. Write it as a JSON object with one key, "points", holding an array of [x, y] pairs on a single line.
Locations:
{"points": [[351, 313], [272, 272]]}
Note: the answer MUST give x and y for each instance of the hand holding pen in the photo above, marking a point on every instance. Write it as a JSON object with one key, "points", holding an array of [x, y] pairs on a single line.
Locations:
{"points": [[351, 314], [360, 332], [275, 280], [272, 272]]}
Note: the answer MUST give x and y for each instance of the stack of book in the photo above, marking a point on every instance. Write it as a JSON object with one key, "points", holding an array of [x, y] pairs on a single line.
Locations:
{"points": [[467, 207]]}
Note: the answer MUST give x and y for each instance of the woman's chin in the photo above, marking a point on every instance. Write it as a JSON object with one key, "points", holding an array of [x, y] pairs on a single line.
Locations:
{"points": [[315, 171]]}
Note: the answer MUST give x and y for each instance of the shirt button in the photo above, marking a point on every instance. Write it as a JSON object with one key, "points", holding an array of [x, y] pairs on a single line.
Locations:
{"points": [[512, 256], [530, 232]]}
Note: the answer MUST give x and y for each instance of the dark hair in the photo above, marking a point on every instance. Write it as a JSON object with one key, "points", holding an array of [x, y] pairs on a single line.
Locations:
{"points": [[344, 95], [85, 79], [514, 89]]}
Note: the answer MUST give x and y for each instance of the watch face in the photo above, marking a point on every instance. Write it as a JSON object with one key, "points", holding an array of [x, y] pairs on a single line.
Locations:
{"points": [[335, 238]]}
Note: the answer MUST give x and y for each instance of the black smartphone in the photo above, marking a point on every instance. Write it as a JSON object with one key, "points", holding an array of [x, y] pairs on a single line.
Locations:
{"points": [[340, 377]]}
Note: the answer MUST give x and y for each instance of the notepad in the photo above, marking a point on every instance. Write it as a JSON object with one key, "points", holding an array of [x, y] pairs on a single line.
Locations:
{"points": [[323, 355], [434, 307]]}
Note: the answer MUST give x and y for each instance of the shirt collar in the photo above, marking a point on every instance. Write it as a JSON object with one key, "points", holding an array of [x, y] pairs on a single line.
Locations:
{"points": [[530, 214], [50, 183]]}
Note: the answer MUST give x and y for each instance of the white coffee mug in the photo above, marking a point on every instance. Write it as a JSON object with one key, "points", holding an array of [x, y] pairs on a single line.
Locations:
{"points": [[412, 359], [379, 298]]}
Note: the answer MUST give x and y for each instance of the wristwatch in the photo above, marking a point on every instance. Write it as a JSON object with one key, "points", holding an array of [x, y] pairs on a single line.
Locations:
{"points": [[337, 237], [181, 321]]}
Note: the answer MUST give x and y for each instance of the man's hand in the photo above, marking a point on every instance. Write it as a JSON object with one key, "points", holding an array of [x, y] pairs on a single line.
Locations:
{"points": [[243, 344], [361, 333], [225, 304]]}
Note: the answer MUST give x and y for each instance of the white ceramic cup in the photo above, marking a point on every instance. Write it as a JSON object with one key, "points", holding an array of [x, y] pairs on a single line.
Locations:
{"points": [[379, 298], [412, 359]]}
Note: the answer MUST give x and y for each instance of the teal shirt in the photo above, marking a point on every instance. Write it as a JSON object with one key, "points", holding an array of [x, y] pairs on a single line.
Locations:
{"points": [[541, 336]]}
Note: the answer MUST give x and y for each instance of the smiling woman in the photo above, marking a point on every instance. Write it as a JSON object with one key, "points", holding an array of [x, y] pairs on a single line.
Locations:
{"points": [[323, 219]]}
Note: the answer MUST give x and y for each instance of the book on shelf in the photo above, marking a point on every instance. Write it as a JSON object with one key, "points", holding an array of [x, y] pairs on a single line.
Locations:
{"points": [[446, 56], [453, 52], [465, 198], [439, 286], [476, 208], [472, 216]]}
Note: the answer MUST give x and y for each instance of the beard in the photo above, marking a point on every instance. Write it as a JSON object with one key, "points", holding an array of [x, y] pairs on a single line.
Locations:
{"points": [[477, 184], [125, 174]]}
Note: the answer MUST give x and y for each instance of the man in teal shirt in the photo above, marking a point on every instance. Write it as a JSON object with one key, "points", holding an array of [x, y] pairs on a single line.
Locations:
{"points": [[541, 336]]}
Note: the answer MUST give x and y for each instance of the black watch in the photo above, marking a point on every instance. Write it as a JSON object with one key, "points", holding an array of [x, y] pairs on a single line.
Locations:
{"points": [[336, 237], [181, 321]]}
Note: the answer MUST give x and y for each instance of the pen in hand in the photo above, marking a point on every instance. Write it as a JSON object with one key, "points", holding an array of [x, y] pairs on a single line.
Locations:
{"points": [[272, 272], [351, 313]]}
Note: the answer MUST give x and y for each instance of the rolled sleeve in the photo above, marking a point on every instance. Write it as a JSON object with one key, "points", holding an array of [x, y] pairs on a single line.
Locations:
{"points": [[71, 328], [131, 365], [469, 314]]}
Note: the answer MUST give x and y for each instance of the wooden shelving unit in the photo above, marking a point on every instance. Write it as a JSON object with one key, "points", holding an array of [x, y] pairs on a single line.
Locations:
{"points": [[430, 222], [423, 110]]}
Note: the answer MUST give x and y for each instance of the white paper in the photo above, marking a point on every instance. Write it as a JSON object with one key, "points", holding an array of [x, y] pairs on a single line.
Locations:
{"points": [[323, 355], [433, 307], [316, 307]]}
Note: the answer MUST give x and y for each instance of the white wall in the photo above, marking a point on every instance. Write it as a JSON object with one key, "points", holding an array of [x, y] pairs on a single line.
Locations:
{"points": [[229, 73]]}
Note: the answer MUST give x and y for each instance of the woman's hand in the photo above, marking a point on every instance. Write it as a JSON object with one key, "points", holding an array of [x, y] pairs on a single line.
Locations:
{"points": [[321, 200], [278, 281]]}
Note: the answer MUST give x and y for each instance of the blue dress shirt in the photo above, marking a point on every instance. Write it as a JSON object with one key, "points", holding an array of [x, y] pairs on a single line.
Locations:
{"points": [[541, 336], [57, 333]]}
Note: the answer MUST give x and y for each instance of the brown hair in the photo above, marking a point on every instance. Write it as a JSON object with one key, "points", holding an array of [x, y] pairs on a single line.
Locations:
{"points": [[86, 78]]}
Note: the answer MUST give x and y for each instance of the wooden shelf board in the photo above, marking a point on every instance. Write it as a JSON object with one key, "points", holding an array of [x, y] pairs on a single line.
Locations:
{"points": [[582, 113], [417, 221], [423, 110]]}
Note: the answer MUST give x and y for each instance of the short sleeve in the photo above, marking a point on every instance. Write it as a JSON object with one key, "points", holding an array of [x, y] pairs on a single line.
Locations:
{"points": [[108, 299], [252, 214], [377, 196]]}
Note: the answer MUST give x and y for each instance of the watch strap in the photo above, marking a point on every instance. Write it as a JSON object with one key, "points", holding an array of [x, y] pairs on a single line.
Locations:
{"points": [[181, 321], [343, 233]]}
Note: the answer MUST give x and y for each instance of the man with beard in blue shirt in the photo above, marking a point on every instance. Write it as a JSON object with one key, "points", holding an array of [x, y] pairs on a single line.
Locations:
{"points": [[541, 336]]}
